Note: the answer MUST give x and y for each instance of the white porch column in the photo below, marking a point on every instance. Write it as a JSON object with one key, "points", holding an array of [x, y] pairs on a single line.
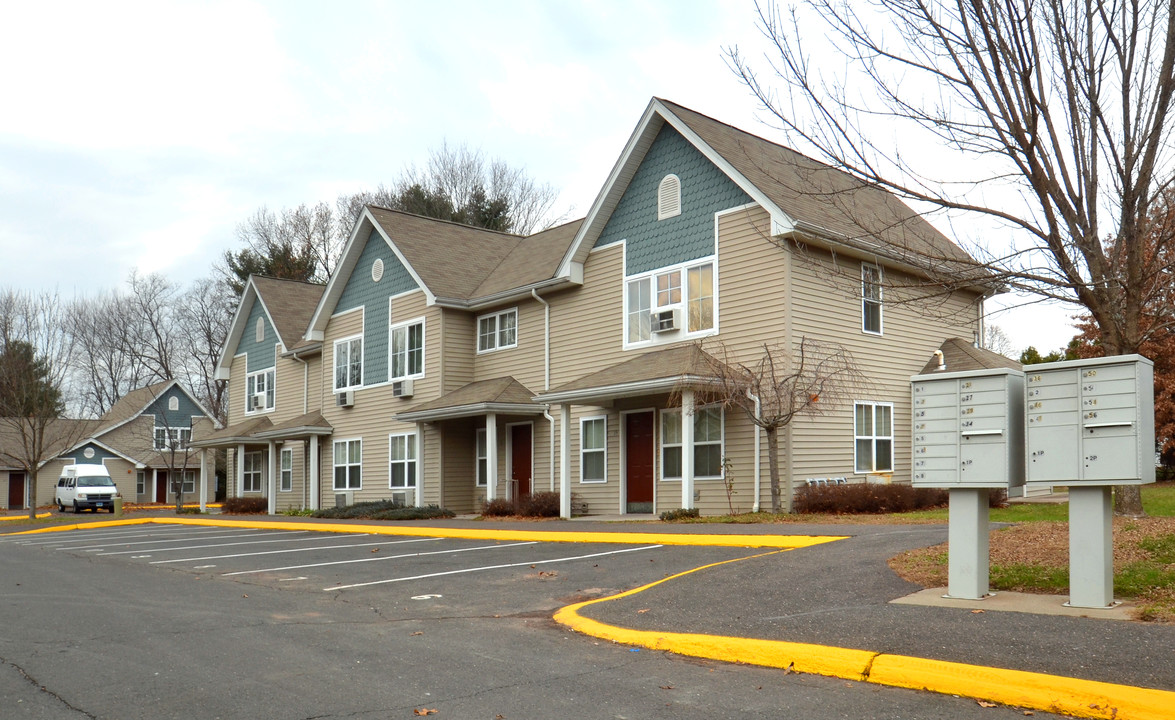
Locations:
{"points": [[315, 475], [420, 465], [240, 471], [491, 456], [204, 480], [155, 487], [565, 461], [687, 449], [271, 481]]}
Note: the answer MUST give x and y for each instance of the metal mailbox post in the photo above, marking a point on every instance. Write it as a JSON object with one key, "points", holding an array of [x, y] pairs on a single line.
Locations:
{"points": [[968, 437], [1091, 425]]}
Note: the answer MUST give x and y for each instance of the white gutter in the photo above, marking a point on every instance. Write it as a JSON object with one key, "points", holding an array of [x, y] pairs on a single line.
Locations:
{"points": [[758, 454], [305, 384], [547, 378]]}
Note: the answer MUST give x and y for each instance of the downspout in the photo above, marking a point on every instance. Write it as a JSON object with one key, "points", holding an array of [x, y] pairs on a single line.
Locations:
{"points": [[547, 380], [758, 453]]}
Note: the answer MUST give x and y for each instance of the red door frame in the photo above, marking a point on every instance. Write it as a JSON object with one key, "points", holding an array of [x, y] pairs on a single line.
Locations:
{"points": [[637, 488], [161, 486], [16, 491], [524, 485]]}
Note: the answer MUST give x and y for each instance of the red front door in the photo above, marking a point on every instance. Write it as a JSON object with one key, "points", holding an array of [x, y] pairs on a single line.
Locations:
{"points": [[15, 491], [161, 486], [520, 458], [638, 461]]}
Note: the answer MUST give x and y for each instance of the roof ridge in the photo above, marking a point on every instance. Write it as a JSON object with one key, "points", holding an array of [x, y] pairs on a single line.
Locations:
{"points": [[448, 222], [288, 280]]}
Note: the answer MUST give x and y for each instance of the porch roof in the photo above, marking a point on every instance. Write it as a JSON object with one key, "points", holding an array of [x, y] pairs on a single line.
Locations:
{"points": [[499, 395], [312, 423], [654, 372], [242, 432]]}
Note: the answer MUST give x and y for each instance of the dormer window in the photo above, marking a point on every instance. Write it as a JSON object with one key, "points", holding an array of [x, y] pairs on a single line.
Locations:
{"points": [[669, 197]]}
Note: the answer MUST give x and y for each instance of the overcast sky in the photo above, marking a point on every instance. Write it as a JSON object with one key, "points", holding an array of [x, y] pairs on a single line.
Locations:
{"points": [[138, 135]]}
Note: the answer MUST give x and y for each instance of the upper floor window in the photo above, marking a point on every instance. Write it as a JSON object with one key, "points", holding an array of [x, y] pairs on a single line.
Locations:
{"points": [[872, 437], [259, 393], [349, 363], [661, 301], [407, 350], [871, 298], [669, 197], [497, 331], [169, 438]]}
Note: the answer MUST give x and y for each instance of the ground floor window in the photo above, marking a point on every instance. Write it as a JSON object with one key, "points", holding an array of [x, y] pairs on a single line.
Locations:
{"points": [[402, 460], [287, 470], [593, 449], [251, 478], [348, 464], [140, 483], [707, 449], [483, 458], [189, 484], [872, 437]]}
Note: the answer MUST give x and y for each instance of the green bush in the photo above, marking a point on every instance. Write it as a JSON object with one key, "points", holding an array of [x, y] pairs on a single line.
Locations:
{"points": [[383, 510], [680, 514], [297, 512], [865, 498], [246, 506]]}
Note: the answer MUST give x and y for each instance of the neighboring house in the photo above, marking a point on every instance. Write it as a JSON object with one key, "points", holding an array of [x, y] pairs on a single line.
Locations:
{"points": [[141, 440], [451, 365]]}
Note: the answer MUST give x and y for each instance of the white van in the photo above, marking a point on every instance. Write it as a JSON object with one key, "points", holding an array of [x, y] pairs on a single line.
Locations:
{"points": [[85, 486]]}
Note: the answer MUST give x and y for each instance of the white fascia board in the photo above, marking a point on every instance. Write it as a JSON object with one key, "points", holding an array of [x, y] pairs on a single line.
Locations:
{"points": [[603, 392], [429, 297], [236, 330], [269, 316], [462, 411], [104, 446]]}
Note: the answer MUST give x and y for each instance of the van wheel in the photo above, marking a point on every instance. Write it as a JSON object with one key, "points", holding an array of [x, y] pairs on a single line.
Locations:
{"points": [[76, 509], [60, 507]]}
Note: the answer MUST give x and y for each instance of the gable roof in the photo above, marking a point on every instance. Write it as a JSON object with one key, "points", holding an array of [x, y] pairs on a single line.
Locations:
{"points": [[959, 355], [647, 373], [136, 402], [288, 304], [502, 394], [804, 197]]}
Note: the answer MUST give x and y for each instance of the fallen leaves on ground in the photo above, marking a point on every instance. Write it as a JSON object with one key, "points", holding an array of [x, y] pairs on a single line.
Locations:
{"points": [[425, 711]]}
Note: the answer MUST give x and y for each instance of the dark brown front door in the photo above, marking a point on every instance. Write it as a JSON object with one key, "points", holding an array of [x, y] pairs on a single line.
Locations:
{"points": [[638, 461], [520, 460], [161, 486], [15, 491]]}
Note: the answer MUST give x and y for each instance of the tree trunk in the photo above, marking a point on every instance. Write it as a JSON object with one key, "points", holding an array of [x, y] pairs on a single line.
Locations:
{"points": [[1128, 501], [773, 464], [32, 485]]}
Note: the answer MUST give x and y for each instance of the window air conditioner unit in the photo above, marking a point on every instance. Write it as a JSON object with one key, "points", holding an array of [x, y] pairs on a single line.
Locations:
{"points": [[345, 399], [258, 401], [402, 389], [343, 499], [400, 497], [664, 321]]}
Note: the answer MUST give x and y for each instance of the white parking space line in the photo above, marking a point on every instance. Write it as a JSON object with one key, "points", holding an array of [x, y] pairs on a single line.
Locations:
{"points": [[494, 567], [294, 550], [378, 559], [91, 535], [263, 533], [304, 538]]}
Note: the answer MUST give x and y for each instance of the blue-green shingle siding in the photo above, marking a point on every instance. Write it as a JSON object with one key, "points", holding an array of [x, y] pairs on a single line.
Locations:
{"points": [[362, 291], [261, 354], [181, 417], [100, 455], [705, 190]]}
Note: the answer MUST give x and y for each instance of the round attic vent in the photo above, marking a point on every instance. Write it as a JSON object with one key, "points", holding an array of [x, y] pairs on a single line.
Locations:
{"points": [[377, 270], [88, 452]]}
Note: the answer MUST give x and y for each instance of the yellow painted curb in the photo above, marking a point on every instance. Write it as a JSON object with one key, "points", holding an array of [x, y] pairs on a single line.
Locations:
{"points": [[787, 542], [23, 517], [1039, 691]]}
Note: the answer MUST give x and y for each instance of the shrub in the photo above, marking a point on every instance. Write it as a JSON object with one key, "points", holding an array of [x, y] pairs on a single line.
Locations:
{"points": [[297, 512], [499, 507], [384, 510], [868, 499], [246, 506], [542, 504], [997, 498], [680, 514]]}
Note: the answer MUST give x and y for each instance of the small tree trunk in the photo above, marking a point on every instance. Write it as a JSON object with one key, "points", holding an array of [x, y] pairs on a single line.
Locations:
{"points": [[773, 464], [32, 485], [1128, 501]]}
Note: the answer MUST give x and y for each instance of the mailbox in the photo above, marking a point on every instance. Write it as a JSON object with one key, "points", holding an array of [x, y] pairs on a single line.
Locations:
{"points": [[1091, 422], [968, 429]]}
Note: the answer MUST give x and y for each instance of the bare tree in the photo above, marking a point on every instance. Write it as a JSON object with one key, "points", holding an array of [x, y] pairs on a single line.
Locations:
{"points": [[1066, 105], [152, 337], [996, 340], [204, 315], [779, 384], [104, 365]]}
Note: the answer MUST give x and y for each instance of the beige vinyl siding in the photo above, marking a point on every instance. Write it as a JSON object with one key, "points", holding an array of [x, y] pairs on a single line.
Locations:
{"points": [[458, 438], [458, 348], [587, 323], [525, 362], [52, 470], [290, 399], [827, 306], [236, 390]]}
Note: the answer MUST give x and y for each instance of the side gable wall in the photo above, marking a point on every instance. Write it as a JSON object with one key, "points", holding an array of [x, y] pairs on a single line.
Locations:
{"points": [[262, 354], [180, 417]]}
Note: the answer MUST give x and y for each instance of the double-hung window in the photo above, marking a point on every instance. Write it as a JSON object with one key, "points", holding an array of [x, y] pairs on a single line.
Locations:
{"points": [[593, 449], [407, 350], [259, 394], [251, 478], [169, 438], [348, 464], [872, 437], [483, 459], [707, 448], [687, 291], [349, 363], [497, 331], [871, 299], [287, 470], [402, 461], [189, 483]]}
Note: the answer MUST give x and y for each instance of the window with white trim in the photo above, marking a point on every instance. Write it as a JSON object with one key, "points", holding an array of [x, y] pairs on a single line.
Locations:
{"points": [[483, 459], [872, 437], [169, 438], [669, 197], [871, 298], [259, 384], [497, 331], [140, 483], [708, 443], [348, 464], [188, 487], [593, 449], [349, 363], [286, 483], [402, 461], [692, 301], [407, 351], [251, 478]]}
